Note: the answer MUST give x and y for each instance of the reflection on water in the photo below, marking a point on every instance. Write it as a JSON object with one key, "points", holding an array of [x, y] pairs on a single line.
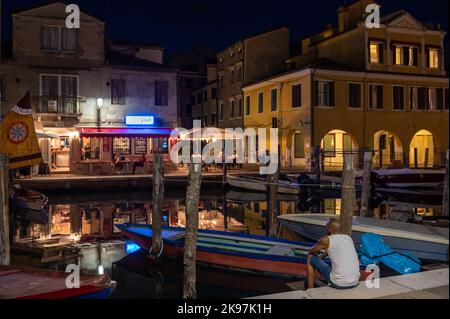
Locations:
{"points": [[84, 224]]}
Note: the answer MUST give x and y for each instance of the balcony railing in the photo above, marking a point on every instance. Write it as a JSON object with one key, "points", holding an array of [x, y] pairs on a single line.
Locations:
{"points": [[59, 105]]}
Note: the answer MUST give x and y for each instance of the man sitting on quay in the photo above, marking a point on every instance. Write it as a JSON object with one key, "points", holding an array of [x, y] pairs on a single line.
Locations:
{"points": [[139, 163], [344, 271]]}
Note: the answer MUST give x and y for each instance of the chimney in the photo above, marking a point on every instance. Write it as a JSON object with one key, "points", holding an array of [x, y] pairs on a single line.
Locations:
{"points": [[343, 19]]}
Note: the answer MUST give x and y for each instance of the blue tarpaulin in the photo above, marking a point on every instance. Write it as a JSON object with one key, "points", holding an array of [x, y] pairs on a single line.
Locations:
{"points": [[373, 250]]}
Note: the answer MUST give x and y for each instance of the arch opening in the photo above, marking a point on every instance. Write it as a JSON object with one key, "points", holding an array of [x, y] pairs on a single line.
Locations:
{"points": [[421, 150], [388, 150], [333, 145]]}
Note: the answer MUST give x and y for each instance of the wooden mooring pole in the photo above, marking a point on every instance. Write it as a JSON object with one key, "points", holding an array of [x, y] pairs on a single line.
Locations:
{"points": [[445, 198], [365, 192], [5, 256], [190, 241], [315, 150], [273, 204], [348, 194], [157, 199]]}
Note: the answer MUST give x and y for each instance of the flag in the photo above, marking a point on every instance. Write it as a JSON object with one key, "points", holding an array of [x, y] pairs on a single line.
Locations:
{"points": [[18, 137]]}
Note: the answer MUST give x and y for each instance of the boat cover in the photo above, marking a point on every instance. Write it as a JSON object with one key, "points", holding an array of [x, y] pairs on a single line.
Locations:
{"points": [[373, 250]]}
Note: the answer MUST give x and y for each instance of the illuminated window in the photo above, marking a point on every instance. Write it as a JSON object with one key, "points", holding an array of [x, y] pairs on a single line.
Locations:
{"points": [[140, 146], [376, 52], [406, 55], [433, 58], [121, 145]]}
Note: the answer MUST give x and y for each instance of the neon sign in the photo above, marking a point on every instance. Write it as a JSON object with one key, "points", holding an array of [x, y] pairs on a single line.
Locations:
{"points": [[139, 120]]}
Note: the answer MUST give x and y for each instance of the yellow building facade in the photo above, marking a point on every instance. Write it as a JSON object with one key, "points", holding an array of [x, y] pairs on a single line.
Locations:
{"points": [[354, 89]]}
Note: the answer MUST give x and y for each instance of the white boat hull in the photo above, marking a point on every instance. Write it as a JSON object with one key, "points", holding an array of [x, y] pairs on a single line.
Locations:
{"points": [[425, 242]]}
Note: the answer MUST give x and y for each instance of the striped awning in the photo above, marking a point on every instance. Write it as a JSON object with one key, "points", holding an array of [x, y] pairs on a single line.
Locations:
{"points": [[125, 132]]}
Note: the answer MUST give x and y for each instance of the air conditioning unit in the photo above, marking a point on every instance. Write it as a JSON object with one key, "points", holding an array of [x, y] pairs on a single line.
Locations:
{"points": [[52, 106]]}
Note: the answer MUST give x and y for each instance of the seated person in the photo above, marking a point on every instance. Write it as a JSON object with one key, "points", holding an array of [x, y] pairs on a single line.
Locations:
{"points": [[117, 163], [139, 163], [344, 271]]}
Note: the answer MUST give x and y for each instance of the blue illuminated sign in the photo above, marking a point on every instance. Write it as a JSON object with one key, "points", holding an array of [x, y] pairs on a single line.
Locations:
{"points": [[140, 120], [132, 247]]}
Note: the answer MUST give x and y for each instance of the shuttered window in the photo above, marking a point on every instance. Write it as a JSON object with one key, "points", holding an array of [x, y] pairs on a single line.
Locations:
{"points": [[118, 89], [69, 40], [399, 98], [324, 93], [354, 95], [273, 100], [162, 93], [247, 106], [296, 95], [261, 102], [375, 97], [50, 38]]}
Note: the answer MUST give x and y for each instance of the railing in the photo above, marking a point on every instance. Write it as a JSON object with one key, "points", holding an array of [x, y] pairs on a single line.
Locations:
{"points": [[59, 105]]}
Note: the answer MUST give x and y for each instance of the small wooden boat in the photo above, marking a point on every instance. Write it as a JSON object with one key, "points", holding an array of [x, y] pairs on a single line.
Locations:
{"points": [[259, 184], [30, 205], [410, 178], [231, 250], [31, 283], [425, 242], [413, 196]]}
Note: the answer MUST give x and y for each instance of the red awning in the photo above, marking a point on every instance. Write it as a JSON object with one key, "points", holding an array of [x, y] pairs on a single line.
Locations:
{"points": [[124, 132]]}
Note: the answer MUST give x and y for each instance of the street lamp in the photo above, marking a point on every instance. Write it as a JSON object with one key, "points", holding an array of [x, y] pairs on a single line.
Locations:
{"points": [[99, 106]]}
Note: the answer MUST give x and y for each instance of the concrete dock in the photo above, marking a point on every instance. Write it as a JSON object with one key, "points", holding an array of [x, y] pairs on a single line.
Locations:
{"points": [[433, 284]]}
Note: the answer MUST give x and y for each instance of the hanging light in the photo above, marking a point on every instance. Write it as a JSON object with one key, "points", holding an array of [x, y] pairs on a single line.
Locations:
{"points": [[99, 103]]}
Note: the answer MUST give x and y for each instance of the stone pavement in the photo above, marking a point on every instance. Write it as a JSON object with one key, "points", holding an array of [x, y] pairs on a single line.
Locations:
{"points": [[432, 284]]}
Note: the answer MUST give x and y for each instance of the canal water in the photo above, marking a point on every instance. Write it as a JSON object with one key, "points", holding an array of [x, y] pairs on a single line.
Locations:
{"points": [[85, 224]]}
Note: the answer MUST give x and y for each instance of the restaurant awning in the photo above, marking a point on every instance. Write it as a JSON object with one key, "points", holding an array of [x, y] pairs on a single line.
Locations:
{"points": [[124, 132]]}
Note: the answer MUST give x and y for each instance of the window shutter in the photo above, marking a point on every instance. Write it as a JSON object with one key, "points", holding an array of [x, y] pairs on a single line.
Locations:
{"points": [[316, 93], [379, 97], [428, 57], [299, 95], [439, 98], [422, 98], [331, 87], [381, 53], [393, 54], [415, 57], [370, 97], [405, 55]]}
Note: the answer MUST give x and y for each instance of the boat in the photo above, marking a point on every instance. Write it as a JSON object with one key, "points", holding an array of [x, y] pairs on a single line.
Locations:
{"points": [[30, 205], [425, 242], [259, 184], [255, 254], [246, 197], [33, 283], [29, 199], [413, 196], [410, 178]]}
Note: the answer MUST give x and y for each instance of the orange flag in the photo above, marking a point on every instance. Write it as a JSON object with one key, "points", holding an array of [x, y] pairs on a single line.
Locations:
{"points": [[18, 137]]}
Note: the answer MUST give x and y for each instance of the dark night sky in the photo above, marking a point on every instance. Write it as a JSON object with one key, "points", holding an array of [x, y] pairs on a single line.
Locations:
{"points": [[180, 25]]}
